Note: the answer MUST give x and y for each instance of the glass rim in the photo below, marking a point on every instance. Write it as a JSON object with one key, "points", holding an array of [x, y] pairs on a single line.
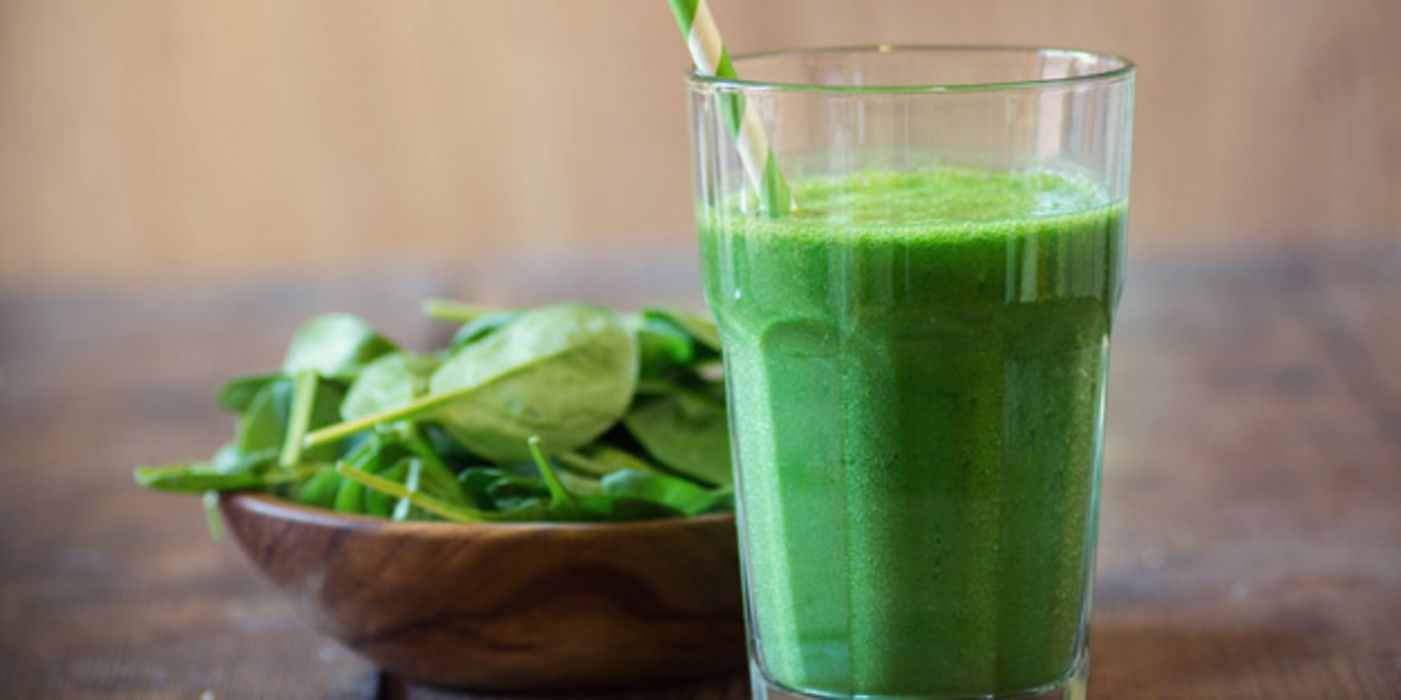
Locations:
{"points": [[1123, 69]]}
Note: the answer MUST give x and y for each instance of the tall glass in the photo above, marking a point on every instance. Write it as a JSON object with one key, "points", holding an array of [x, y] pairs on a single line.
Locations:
{"points": [[916, 358]]}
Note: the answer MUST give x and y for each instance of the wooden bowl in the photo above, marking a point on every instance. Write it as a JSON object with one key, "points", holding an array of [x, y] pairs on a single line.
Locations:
{"points": [[509, 607]]}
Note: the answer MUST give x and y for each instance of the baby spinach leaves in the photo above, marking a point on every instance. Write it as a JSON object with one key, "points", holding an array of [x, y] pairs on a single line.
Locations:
{"points": [[413, 496], [265, 424], [561, 373], [198, 477], [569, 412], [389, 382], [601, 459], [320, 490], [699, 328], [680, 495], [671, 342], [661, 347], [686, 431], [238, 393], [481, 327], [335, 345]]}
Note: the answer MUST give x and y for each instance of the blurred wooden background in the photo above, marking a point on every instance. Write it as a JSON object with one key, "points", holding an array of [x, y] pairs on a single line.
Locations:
{"points": [[200, 140]]}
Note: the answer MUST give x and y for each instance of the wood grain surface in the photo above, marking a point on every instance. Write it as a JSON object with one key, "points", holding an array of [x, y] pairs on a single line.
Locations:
{"points": [[1251, 541]]}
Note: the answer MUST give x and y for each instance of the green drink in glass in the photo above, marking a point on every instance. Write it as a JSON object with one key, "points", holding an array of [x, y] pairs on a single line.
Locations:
{"points": [[916, 352]]}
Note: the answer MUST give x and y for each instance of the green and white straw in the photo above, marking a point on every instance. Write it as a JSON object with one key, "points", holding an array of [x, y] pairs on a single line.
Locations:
{"points": [[711, 58]]}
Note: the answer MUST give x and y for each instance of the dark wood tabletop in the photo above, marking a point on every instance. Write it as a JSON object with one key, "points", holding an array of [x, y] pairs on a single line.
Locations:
{"points": [[1251, 531]]}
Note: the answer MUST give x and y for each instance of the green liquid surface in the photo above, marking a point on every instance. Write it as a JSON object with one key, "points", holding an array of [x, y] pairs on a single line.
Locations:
{"points": [[916, 368]]}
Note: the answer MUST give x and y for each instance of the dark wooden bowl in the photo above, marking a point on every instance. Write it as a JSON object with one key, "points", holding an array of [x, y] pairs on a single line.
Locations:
{"points": [[509, 607]]}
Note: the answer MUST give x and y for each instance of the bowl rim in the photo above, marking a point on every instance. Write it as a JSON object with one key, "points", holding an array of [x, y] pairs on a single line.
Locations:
{"points": [[269, 505]]}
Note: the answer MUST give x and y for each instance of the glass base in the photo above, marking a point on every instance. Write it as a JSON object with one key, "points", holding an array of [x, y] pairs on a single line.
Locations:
{"points": [[1071, 688]]}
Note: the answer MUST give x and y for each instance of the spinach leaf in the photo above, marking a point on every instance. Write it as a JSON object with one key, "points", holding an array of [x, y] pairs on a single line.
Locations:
{"points": [[353, 496], [238, 393], [654, 386], [687, 432], [320, 490], [229, 460], [678, 494], [265, 424], [600, 459], [437, 477], [661, 346], [564, 373], [597, 502], [579, 484], [699, 328], [350, 498], [335, 345], [389, 382], [478, 484], [448, 449], [199, 477], [195, 478], [724, 501], [328, 492], [442, 509], [383, 451], [378, 502], [481, 327], [493, 489]]}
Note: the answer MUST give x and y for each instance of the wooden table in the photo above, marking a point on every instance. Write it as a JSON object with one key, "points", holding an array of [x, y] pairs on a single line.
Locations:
{"points": [[1251, 539]]}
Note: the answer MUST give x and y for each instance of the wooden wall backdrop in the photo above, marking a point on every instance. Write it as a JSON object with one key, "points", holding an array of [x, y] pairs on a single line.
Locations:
{"points": [[198, 139]]}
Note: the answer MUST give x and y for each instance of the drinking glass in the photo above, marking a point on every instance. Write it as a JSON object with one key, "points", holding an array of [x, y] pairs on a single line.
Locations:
{"points": [[915, 345]]}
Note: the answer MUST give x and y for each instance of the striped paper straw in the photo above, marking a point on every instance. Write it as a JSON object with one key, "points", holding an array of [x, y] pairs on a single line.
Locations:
{"points": [[711, 58]]}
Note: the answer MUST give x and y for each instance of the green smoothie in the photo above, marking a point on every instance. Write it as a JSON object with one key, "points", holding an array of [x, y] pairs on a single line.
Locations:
{"points": [[916, 364]]}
